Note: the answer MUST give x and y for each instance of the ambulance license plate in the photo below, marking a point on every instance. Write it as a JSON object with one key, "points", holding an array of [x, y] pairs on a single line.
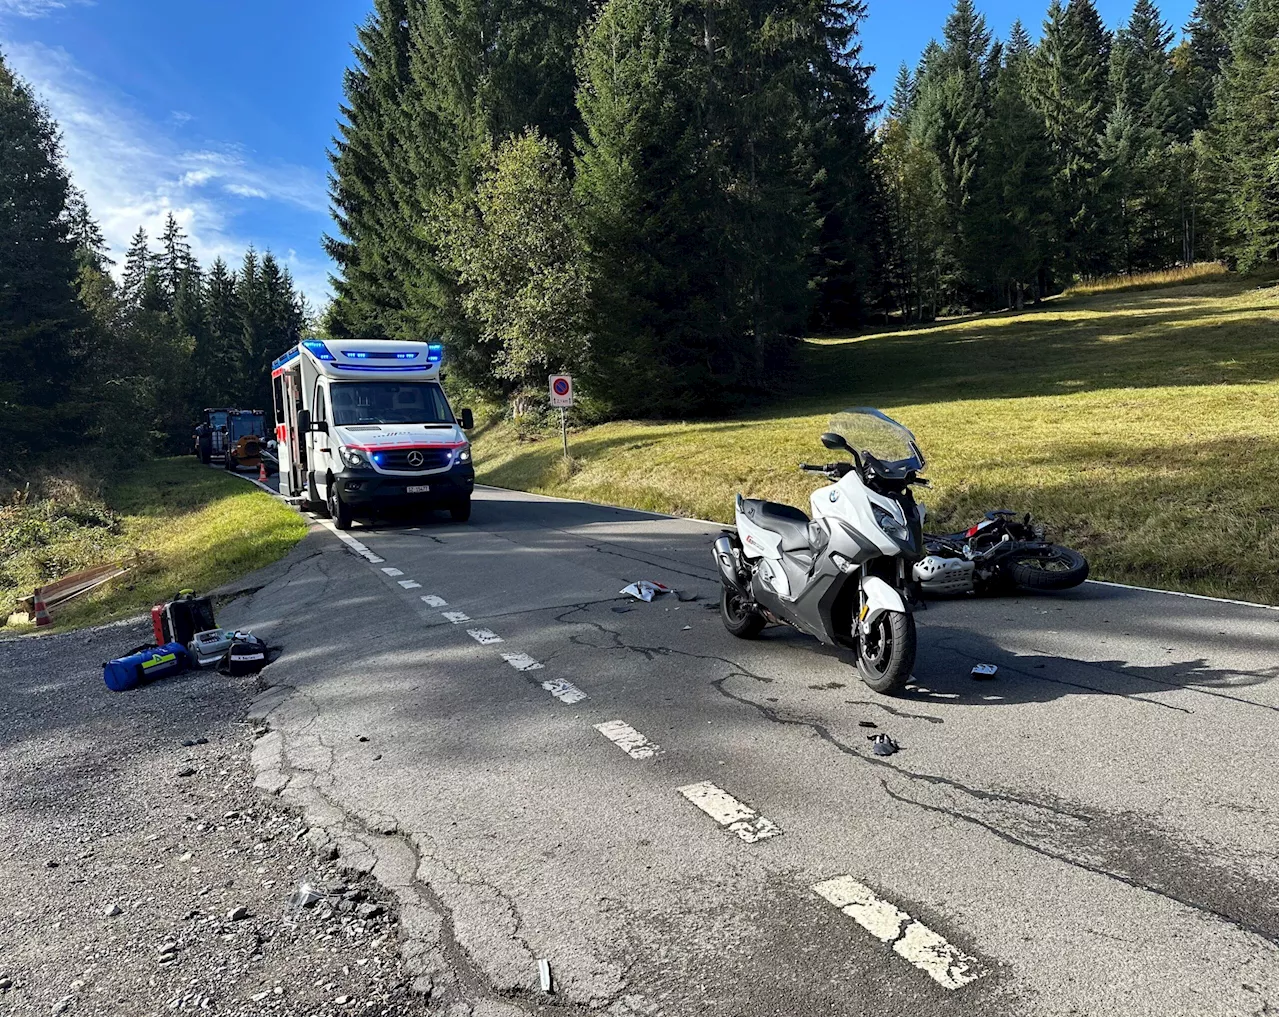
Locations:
{"points": [[418, 489]]}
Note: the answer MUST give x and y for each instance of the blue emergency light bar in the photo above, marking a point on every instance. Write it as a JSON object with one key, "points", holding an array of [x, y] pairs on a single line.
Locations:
{"points": [[318, 349], [435, 353]]}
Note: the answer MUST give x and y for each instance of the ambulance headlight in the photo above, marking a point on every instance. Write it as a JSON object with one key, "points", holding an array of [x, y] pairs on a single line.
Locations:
{"points": [[353, 457], [463, 455]]}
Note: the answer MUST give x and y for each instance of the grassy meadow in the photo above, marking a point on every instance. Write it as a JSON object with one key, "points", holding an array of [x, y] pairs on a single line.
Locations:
{"points": [[195, 528], [1140, 425]]}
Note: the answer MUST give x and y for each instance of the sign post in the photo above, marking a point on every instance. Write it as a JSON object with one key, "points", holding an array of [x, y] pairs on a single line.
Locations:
{"points": [[561, 386]]}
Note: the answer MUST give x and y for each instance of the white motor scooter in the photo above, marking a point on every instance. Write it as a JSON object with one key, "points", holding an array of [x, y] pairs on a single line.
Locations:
{"points": [[844, 575]]}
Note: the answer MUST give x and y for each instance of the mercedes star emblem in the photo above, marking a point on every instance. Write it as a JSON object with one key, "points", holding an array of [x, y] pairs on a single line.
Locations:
{"points": [[414, 458]]}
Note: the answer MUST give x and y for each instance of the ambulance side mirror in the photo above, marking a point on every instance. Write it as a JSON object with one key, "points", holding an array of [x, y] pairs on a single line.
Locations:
{"points": [[466, 420], [304, 421]]}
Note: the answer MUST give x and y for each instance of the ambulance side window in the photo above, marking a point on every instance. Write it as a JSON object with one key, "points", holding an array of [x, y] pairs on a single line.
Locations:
{"points": [[277, 391], [318, 412]]}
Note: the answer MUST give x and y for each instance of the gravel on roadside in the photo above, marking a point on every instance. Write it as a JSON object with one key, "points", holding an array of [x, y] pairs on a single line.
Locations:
{"points": [[142, 871]]}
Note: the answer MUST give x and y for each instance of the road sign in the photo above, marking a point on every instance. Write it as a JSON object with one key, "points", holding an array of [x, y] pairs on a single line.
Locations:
{"points": [[561, 389]]}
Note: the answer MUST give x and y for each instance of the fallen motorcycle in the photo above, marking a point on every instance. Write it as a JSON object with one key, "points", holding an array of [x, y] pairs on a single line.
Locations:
{"points": [[843, 576], [998, 554]]}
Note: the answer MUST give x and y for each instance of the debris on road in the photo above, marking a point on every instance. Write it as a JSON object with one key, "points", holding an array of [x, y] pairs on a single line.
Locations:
{"points": [[983, 671], [883, 745], [544, 974], [646, 590], [866, 723]]}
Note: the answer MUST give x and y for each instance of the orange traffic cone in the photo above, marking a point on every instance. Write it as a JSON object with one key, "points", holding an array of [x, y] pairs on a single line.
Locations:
{"points": [[262, 472], [42, 612]]}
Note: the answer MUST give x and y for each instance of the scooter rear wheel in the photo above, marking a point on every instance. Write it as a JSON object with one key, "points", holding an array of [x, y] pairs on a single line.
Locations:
{"points": [[739, 615], [887, 653]]}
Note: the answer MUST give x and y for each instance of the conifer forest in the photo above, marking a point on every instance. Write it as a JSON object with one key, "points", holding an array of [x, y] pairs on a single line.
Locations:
{"points": [[659, 197]]}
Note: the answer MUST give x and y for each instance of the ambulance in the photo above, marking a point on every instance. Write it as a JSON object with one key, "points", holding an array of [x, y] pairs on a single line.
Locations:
{"points": [[362, 425]]}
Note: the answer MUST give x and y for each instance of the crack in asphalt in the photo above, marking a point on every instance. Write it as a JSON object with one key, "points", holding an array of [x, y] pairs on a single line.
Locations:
{"points": [[1255, 926], [645, 561], [1045, 819], [897, 713]]}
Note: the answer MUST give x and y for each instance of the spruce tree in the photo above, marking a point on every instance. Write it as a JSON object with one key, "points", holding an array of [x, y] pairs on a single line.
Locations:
{"points": [[1012, 219], [951, 117], [138, 260], [648, 200], [1141, 72], [175, 257], [368, 182], [223, 354], [1069, 89], [1243, 138], [1209, 44], [43, 329]]}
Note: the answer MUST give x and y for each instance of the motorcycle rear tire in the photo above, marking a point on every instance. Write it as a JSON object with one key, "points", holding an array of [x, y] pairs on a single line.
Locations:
{"points": [[743, 621], [1074, 570], [892, 665]]}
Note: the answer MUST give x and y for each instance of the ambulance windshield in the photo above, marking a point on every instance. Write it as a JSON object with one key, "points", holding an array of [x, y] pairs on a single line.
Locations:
{"points": [[389, 402]]}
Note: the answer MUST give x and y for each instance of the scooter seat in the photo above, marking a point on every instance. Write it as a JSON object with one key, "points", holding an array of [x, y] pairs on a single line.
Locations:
{"points": [[790, 522]]}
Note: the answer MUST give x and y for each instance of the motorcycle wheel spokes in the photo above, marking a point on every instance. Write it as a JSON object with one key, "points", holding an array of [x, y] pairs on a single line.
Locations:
{"points": [[1055, 562]]}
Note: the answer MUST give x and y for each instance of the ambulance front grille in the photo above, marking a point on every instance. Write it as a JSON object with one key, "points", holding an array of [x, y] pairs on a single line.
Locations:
{"points": [[398, 459]]}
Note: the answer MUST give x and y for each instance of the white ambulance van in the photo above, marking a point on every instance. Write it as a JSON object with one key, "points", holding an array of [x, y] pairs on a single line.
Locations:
{"points": [[363, 425]]}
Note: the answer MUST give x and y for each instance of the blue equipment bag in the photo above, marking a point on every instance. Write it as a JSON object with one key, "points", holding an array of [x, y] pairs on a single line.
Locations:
{"points": [[145, 663]]}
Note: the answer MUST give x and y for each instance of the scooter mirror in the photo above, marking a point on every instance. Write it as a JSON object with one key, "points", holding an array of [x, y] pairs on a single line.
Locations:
{"points": [[835, 442]]}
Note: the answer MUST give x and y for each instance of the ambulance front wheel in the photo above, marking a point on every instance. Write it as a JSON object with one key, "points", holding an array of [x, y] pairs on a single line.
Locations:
{"points": [[460, 511], [338, 510]]}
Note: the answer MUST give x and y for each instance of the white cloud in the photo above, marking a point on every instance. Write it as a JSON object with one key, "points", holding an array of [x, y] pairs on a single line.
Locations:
{"points": [[135, 172], [35, 8]]}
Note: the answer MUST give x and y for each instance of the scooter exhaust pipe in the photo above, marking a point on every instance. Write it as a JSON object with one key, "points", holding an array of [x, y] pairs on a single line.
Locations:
{"points": [[729, 559]]}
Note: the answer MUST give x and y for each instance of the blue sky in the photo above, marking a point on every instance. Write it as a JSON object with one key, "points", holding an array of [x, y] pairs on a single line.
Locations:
{"points": [[220, 110]]}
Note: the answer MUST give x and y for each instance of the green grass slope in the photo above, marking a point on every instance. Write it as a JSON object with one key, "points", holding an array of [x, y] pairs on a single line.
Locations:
{"points": [[196, 528], [1141, 427]]}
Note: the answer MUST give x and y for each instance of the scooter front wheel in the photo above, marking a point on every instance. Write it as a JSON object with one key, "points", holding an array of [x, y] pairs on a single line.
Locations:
{"points": [[739, 615], [887, 653]]}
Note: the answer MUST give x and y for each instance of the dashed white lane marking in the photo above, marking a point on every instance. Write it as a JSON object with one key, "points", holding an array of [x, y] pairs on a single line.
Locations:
{"points": [[352, 543], [521, 661], [431, 600], [915, 942], [484, 637], [729, 812], [628, 739], [392, 572], [457, 617], [565, 691], [410, 584]]}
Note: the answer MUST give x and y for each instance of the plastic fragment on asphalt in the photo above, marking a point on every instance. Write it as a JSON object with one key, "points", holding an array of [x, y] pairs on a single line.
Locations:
{"points": [[883, 745], [983, 671], [645, 589], [866, 723], [544, 974]]}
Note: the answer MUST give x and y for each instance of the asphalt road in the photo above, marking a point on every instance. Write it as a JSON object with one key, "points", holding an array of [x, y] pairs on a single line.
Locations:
{"points": [[1094, 831]]}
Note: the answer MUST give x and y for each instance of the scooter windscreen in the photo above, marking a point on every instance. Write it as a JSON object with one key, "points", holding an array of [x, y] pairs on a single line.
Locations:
{"points": [[868, 430]]}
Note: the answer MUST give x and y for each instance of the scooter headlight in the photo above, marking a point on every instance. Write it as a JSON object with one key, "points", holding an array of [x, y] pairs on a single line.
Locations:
{"points": [[353, 457], [890, 523]]}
